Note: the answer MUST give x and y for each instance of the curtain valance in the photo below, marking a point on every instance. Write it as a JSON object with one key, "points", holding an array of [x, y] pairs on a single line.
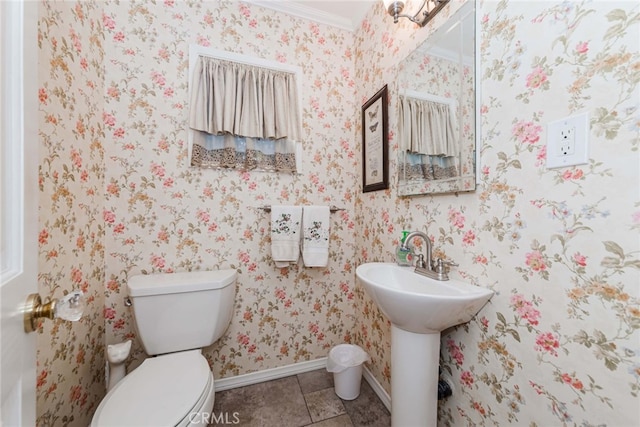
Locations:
{"points": [[427, 127], [258, 106], [427, 131]]}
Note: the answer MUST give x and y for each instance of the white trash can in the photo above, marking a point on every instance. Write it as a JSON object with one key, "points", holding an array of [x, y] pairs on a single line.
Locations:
{"points": [[345, 361]]}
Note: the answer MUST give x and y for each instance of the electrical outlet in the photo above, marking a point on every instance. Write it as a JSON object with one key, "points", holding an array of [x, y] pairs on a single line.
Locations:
{"points": [[567, 141]]}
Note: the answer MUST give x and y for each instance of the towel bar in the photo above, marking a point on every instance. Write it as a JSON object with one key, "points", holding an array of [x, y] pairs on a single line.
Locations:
{"points": [[331, 209]]}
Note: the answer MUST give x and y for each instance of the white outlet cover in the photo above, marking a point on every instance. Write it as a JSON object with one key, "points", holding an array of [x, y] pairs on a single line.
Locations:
{"points": [[579, 124]]}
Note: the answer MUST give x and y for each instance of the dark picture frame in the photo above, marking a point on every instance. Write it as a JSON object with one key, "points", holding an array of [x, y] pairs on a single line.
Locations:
{"points": [[375, 142]]}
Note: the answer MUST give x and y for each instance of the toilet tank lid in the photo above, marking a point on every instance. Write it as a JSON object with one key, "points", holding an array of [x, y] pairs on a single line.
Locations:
{"points": [[171, 283]]}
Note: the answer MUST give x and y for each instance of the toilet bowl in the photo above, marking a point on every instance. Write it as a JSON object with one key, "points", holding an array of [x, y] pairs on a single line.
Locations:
{"points": [[171, 390], [176, 315]]}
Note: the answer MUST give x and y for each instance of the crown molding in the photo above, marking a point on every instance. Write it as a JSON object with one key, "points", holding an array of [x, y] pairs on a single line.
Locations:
{"points": [[303, 11]]}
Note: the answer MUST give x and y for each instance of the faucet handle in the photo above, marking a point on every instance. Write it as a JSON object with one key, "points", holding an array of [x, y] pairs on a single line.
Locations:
{"points": [[442, 265], [420, 262]]}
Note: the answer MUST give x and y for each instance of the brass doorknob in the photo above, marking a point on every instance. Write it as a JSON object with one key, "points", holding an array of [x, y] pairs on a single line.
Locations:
{"points": [[70, 307]]}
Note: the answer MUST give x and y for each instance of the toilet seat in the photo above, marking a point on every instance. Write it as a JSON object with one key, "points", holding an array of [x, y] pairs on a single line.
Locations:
{"points": [[163, 391]]}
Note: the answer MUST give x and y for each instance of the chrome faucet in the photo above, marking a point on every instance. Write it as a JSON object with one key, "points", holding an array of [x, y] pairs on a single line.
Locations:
{"points": [[424, 264], [421, 262]]}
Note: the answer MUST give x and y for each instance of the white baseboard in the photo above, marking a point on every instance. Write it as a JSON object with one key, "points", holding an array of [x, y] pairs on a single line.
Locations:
{"points": [[294, 369], [270, 374], [377, 388]]}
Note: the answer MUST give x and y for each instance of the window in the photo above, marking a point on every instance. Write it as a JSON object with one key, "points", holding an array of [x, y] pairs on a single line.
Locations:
{"points": [[429, 128], [244, 112]]}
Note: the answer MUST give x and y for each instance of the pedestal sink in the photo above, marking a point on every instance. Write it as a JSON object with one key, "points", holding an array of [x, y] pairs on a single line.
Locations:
{"points": [[419, 308]]}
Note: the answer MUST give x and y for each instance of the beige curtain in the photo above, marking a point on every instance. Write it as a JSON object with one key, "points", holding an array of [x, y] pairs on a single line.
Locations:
{"points": [[427, 127], [243, 116], [427, 134]]}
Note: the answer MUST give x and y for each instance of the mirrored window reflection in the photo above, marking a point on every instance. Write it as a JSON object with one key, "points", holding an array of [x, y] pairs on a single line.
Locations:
{"points": [[436, 110]]}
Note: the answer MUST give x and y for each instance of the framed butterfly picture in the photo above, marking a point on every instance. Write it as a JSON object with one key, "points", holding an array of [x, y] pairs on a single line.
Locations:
{"points": [[375, 143]]}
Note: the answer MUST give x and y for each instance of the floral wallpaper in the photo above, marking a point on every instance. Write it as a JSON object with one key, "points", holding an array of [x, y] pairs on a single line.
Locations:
{"points": [[70, 355], [558, 343], [162, 216]]}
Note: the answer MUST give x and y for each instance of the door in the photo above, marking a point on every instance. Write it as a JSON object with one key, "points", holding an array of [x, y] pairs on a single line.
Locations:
{"points": [[18, 207]]}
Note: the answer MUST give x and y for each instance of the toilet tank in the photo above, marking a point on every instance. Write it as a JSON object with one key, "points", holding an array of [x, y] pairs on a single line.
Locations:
{"points": [[181, 311]]}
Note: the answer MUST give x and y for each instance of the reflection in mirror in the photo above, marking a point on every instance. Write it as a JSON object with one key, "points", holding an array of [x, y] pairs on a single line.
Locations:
{"points": [[437, 118]]}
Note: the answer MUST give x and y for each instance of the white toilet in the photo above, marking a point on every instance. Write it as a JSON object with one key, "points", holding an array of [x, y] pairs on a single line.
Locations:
{"points": [[176, 315]]}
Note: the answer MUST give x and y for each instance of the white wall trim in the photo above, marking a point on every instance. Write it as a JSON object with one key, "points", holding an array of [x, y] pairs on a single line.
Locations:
{"points": [[424, 96], [308, 12], [270, 374], [377, 388], [294, 369], [196, 50]]}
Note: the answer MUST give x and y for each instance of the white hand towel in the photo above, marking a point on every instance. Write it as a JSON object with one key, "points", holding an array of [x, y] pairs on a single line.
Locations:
{"points": [[285, 234], [315, 236]]}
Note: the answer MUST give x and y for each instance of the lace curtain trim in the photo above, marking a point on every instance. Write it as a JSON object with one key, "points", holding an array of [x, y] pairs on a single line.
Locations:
{"points": [[429, 168], [228, 151]]}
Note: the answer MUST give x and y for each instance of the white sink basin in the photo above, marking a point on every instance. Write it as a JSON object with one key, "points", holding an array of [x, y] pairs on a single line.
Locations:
{"points": [[419, 309], [417, 303]]}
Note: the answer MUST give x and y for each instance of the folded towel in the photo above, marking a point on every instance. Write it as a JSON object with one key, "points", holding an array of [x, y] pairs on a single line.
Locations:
{"points": [[285, 234], [315, 234]]}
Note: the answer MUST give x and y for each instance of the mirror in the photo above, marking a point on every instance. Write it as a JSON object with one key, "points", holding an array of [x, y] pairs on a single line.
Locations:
{"points": [[438, 118]]}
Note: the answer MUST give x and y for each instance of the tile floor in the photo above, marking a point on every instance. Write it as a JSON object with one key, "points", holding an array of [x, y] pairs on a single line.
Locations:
{"points": [[306, 399]]}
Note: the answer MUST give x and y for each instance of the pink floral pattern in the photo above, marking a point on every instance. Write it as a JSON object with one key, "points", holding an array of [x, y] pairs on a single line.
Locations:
{"points": [[557, 345], [70, 359]]}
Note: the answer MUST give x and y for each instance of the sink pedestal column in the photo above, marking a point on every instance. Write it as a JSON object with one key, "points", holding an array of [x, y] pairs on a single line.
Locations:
{"points": [[415, 359]]}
